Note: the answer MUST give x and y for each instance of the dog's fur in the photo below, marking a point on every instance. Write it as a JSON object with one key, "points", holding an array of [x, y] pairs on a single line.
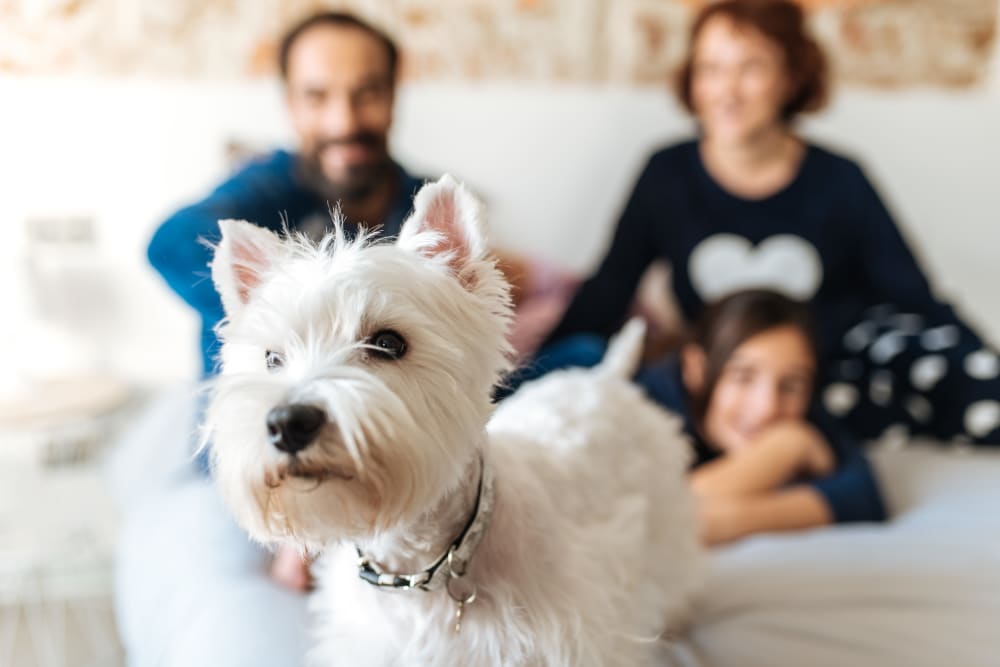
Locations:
{"points": [[592, 546]]}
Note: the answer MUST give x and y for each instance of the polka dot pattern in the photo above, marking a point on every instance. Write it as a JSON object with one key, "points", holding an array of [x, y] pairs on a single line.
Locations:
{"points": [[886, 347], [860, 336], [982, 365], [919, 408], [899, 369], [982, 418], [928, 371], [840, 398], [880, 388], [940, 338]]}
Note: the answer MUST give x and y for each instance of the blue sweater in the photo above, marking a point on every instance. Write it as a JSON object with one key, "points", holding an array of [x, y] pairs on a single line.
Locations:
{"points": [[825, 238], [850, 492], [262, 192]]}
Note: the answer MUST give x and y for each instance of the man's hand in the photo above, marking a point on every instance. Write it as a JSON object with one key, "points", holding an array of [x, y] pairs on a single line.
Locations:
{"points": [[290, 569]]}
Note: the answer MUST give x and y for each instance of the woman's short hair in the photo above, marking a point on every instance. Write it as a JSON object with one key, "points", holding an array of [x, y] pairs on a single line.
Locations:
{"points": [[782, 22], [726, 324]]}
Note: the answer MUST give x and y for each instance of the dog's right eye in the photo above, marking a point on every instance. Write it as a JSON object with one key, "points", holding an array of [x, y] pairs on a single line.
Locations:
{"points": [[388, 344], [273, 359]]}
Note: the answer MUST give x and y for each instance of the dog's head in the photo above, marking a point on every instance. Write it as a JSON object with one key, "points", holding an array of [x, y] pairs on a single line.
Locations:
{"points": [[356, 375]]}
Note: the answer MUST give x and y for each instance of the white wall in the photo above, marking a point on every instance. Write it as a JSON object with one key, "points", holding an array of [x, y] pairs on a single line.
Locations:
{"points": [[554, 162]]}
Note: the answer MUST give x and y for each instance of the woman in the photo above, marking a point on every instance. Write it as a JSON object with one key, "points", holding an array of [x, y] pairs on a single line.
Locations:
{"points": [[751, 204], [766, 460]]}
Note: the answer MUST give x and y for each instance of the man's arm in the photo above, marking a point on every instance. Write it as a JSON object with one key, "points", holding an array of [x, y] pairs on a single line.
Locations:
{"points": [[180, 249]]}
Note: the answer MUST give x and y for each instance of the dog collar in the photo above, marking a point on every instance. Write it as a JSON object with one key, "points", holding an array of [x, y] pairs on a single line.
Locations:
{"points": [[454, 562]]}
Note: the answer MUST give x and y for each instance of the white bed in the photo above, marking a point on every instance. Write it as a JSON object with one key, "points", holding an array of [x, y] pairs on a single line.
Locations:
{"points": [[922, 590]]}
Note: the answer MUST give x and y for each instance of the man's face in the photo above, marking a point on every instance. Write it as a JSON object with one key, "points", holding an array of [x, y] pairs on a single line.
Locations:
{"points": [[339, 93]]}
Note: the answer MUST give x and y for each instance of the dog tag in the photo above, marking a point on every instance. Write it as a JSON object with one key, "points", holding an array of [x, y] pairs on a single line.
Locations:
{"points": [[460, 601], [455, 580], [458, 616]]}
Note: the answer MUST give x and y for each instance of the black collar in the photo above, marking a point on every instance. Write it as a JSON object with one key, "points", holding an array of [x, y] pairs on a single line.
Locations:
{"points": [[455, 560]]}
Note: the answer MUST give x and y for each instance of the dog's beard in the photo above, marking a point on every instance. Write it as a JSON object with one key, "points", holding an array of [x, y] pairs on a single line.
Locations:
{"points": [[359, 181], [318, 472], [313, 503]]}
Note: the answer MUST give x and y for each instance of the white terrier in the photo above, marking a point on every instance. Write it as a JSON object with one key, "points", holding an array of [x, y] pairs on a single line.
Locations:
{"points": [[352, 417]]}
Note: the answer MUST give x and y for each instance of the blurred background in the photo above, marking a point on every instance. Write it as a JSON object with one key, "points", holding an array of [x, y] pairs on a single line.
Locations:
{"points": [[115, 112]]}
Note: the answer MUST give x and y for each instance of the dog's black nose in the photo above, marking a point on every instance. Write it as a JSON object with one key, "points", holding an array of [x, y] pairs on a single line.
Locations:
{"points": [[293, 427]]}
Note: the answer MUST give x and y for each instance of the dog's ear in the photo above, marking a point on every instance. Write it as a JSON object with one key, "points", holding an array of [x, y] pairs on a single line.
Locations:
{"points": [[455, 216], [244, 254]]}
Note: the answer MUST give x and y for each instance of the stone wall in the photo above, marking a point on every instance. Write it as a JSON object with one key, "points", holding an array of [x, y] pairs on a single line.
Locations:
{"points": [[884, 43]]}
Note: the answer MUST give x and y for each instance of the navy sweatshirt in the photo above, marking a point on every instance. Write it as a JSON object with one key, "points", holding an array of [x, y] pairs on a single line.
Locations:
{"points": [[262, 192], [851, 491], [825, 238]]}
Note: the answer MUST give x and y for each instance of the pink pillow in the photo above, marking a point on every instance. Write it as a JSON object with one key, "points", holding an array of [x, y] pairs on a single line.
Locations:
{"points": [[547, 291]]}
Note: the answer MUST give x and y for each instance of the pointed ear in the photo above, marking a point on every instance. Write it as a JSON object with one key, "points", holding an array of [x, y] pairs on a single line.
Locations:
{"points": [[455, 216], [242, 257]]}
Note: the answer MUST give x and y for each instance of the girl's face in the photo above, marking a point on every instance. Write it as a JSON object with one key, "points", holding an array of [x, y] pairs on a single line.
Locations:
{"points": [[739, 82], [768, 379]]}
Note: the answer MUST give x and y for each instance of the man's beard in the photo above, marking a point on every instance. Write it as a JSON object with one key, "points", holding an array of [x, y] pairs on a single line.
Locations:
{"points": [[359, 181]]}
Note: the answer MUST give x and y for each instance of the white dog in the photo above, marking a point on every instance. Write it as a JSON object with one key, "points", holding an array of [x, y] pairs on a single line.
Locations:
{"points": [[353, 417]]}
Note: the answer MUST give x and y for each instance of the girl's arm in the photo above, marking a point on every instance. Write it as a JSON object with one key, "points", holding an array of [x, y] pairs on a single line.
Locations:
{"points": [[728, 518], [849, 493], [781, 453]]}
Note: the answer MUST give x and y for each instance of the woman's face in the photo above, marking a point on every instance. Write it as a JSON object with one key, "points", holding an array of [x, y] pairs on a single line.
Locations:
{"points": [[739, 82], [768, 379]]}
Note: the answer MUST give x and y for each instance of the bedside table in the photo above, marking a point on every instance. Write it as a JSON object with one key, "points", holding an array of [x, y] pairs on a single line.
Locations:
{"points": [[58, 523]]}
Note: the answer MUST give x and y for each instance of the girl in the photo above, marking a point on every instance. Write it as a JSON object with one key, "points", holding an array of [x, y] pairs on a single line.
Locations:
{"points": [[766, 460]]}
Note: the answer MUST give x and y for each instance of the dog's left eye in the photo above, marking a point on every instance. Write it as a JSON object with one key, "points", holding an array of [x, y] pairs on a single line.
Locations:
{"points": [[273, 359], [388, 344]]}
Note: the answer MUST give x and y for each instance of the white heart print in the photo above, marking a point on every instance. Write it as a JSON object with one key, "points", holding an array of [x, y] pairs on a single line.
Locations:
{"points": [[726, 263]]}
